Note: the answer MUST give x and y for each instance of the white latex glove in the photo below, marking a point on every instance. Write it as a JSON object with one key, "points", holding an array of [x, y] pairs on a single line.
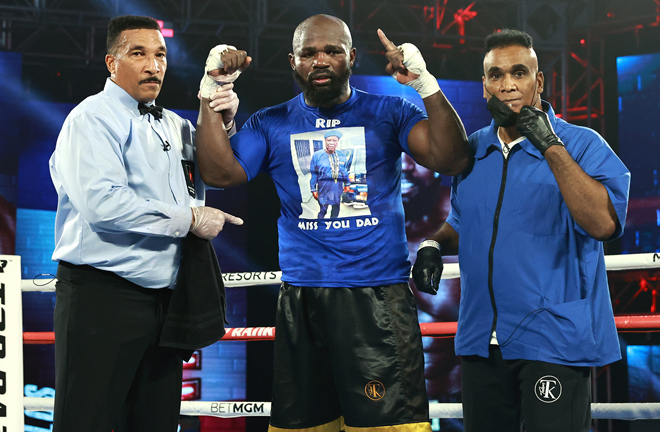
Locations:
{"points": [[225, 101], [209, 221], [209, 84]]}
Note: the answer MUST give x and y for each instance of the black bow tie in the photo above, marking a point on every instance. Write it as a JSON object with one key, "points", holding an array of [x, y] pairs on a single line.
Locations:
{"points": [[155, 110]]}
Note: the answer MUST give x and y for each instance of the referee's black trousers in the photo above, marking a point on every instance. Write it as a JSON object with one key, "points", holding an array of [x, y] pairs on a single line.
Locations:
{"points": [[110, 373]]}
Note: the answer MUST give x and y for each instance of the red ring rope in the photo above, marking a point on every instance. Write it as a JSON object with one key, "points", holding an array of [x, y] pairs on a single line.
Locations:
{"points": [[636, 323]]}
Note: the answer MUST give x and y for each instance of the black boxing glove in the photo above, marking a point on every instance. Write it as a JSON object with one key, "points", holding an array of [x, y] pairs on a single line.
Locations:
{"points": [[534, 125], [427, 270]]}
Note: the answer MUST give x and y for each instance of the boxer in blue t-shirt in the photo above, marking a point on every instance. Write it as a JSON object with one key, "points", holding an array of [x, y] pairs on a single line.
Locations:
{"points": [[348, 350]]}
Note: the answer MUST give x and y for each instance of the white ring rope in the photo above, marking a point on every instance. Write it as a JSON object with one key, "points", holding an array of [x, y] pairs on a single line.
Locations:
{"points": [[612, 411], [615, 411], [451, 271]]}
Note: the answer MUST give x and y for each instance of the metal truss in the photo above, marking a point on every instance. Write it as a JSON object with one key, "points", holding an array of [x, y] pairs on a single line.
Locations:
{"points": [[74, 31], [575, 71], [450, 33]]}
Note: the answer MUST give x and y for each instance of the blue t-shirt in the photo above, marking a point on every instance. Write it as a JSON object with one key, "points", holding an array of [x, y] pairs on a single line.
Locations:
{"points": [[516, 234], [366, 244]]}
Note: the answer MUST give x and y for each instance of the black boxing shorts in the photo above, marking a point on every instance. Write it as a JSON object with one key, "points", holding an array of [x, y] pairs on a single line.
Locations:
{"points": [[348, 358]]}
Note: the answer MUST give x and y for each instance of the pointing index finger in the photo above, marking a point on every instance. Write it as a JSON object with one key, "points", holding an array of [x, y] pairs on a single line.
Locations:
{"points": [[385, 41], [233, 219]]}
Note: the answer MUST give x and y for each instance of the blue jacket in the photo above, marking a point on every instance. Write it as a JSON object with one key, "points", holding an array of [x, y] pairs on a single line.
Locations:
{"points": [[527, 269]]}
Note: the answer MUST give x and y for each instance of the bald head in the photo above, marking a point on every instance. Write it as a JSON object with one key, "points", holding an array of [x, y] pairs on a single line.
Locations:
{"points": [[321, 60], [327, 25]]}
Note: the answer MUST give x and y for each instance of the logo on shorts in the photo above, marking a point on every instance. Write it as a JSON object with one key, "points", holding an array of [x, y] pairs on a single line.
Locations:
{"points": [[548, 389], [375, 390]]}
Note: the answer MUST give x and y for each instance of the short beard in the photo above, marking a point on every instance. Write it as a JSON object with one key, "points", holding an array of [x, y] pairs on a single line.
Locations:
{"points": [[325, 95]]}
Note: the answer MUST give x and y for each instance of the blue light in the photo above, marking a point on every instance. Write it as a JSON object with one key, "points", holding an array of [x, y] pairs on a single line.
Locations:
{"points": [[465, 96], [636, 72], [35, 241], [643, 373], [177, 53]]}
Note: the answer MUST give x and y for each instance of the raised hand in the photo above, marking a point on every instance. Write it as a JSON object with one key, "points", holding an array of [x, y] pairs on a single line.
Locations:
{"points": [[408, 67], [534, 124], [224, 64], [394, 55]]}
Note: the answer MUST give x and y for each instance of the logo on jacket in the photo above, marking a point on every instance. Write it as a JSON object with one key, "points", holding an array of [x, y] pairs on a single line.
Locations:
{"points": [[548, 389], [375, 390], [189, 174]]}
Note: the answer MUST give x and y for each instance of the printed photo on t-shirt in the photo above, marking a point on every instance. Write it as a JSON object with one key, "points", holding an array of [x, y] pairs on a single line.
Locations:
{"points": [[332, 172]]}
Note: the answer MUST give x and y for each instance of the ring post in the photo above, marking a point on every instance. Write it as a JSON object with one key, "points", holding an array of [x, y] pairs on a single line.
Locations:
{"points": [[11, 345]]}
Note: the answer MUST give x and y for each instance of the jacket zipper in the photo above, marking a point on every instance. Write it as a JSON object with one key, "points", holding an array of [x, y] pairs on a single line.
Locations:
{"points": [[491, 252]]}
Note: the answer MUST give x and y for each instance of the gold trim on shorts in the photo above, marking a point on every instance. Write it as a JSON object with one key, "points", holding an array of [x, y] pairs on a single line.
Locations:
{"points": [[334, 426], [406, 427]]}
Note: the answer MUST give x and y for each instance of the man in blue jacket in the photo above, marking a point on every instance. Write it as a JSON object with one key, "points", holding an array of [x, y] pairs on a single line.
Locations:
{"points": [[528, 220]]}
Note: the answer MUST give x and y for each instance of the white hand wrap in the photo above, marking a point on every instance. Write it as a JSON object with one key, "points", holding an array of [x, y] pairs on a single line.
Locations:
{"points": [[210, 84], [425, 84]]}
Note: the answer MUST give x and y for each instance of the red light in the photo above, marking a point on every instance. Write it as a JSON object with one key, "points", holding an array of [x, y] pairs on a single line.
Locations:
{"points": [[195, 361], [168, 33], [610, 15], [582, 41], [654, 293], [59, 74], [429, 13], [191, 389], [442, 46]]}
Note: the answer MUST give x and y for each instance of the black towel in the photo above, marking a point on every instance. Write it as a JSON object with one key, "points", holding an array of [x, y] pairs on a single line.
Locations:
{"points": [[196, 315]]}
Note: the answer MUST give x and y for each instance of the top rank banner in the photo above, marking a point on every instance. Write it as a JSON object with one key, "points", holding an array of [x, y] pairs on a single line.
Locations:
{"points": [[11, 345]]}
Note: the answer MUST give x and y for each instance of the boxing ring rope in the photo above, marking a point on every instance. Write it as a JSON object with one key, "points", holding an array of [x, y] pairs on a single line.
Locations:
{"points": [[612, 411], [437, 329], [451, 271], [617, 411]]}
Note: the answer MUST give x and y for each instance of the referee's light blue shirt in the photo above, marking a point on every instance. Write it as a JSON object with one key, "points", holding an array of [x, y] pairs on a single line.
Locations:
{"points": [[123, 201], [548, 275]]}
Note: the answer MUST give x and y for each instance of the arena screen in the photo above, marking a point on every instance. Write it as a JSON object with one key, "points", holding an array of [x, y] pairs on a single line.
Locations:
{"points": [[639, 93]]}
